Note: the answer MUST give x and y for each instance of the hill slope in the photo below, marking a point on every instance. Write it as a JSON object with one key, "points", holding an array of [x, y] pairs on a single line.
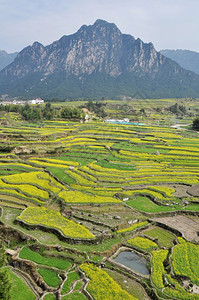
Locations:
{"points": [[187, 59], [6, 58]]}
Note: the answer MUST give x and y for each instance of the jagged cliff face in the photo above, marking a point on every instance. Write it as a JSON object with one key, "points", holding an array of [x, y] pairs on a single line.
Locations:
{"points": [[93, 48], [97, 48], [97, 51]]}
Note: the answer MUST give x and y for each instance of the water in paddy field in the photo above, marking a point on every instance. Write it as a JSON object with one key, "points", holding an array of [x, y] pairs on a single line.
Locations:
{"points": [[125, 123], [133, 261]]}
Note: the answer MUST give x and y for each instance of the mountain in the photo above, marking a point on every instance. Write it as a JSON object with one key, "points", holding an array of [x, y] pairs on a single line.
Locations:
{"points": [[187, 59], [6, 58], [96, 61]]}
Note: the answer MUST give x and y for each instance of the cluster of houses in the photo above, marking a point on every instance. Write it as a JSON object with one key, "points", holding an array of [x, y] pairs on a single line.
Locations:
{"points": [[21, 102]]}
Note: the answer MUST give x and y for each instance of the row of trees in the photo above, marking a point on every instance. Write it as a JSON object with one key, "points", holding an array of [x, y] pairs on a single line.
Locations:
{"points": [[29, 112], [47, 112]]}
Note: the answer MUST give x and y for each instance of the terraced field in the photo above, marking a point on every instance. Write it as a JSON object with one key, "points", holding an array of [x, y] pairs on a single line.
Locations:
{"points": [[72, 194]]}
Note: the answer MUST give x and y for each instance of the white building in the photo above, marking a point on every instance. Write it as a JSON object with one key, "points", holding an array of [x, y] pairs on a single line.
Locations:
{"points": [[36, 101]]}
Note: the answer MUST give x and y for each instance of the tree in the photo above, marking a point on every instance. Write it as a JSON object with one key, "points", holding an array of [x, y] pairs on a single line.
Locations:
{"points": [[72, 113], [2, 257], [4, 285], [48, 111], [195, 124], [142, 111], [4, 277]]}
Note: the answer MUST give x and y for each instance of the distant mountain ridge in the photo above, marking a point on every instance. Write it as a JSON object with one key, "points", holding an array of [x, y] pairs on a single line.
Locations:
{"points": [[6, 58], [187, 59], [96, 61]]}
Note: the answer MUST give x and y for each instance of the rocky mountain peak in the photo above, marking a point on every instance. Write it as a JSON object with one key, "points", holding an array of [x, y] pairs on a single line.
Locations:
{"points": [[96, 58], [37, 45], [101, 24], [99, 28]]}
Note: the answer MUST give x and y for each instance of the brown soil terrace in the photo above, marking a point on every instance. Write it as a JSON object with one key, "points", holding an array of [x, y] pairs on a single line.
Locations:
{"points": [[187, 226]]}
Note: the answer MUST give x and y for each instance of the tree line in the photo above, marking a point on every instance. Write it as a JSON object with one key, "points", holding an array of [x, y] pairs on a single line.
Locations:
{"points": [[47, 112]]}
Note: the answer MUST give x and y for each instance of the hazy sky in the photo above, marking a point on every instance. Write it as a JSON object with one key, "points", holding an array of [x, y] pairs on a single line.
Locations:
{"points": [[168, 24]]}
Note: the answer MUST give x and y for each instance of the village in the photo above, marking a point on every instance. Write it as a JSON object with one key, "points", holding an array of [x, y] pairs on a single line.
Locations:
{"points": [[22, 102]]}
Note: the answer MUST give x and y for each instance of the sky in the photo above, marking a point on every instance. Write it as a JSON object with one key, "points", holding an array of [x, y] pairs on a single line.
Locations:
{"points": [[168, 24]]}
